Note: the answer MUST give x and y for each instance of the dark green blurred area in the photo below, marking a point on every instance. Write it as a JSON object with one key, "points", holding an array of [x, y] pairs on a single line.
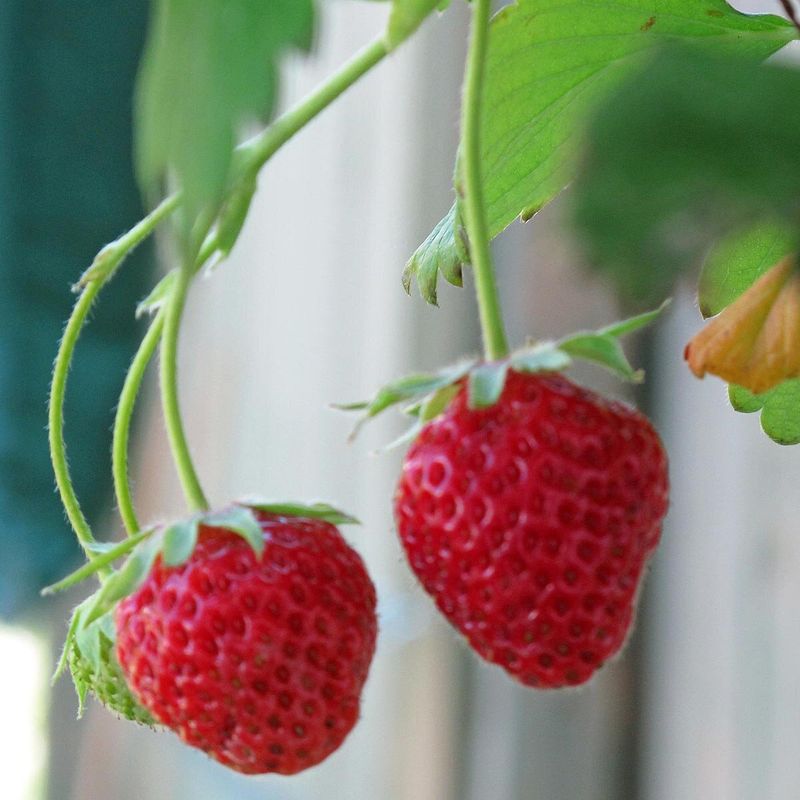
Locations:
{"points": [[67, 69]]}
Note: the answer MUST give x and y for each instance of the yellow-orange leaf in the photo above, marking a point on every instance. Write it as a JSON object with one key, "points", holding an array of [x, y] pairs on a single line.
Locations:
{"points": [[755, 341]]}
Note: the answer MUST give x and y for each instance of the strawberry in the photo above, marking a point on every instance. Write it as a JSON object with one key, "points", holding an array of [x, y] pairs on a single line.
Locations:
{"points": [[530, 522], [257, 660]]}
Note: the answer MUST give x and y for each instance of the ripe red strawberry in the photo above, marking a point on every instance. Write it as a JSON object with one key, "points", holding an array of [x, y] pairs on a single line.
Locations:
{"points": [[531, 521], [258, 662]]}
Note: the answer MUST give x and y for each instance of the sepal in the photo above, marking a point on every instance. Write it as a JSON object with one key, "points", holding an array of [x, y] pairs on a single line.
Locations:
{"points": [[321, 511], [427, 395]]}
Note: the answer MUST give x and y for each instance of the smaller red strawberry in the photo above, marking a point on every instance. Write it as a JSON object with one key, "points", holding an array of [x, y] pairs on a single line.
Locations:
{"points": [[259, 660]]}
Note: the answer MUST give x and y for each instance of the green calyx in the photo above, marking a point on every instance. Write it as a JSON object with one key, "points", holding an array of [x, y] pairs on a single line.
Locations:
{"points": [[89, 654], [175, 542], [426, 395]]}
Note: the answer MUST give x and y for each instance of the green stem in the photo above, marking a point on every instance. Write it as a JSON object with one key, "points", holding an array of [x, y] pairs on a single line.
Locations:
{"points": [[58, 452], [113, 254], [122, 422], [100, 561], [258, 150], [494, 337], [251, 156], [169, 392], [92, 281]]}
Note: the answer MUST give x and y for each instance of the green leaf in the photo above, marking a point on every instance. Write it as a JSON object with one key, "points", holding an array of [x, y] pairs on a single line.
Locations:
{"points": [[107, 553], [124, 581], [241, 520], [632, 324], [410, 387], [600, 347], [433, 404], [425, 410], [436, 403], [405, 438], [604, 350], [486, 384], [736, 262], [74, 622], [358, 405], [780, 409], [744, 400], [431, 394], [207, 69], [89, 651], [233, 214], [549, 63], [161, 293], [406, 388], [101, 547], [321, 511], [178, 541], [690, 149], [443, 251], [87, 637]]}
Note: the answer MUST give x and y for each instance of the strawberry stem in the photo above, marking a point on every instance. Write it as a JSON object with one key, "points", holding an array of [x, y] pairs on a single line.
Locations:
{"points": [[93, 280], [169, 391], [122, 422], [58, 448], [494, 337], [253, 154]]}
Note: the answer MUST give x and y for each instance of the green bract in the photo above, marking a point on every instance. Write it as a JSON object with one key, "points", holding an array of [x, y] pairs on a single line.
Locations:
{"points": [[431, 393], [89, 653], [321, 511]]}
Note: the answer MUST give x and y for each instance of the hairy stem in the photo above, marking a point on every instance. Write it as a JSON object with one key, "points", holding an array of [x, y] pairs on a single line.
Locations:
{"points": [[169, 391], [122, 422], [58, 450], [494, 337], [102, 270], [113, 254]]}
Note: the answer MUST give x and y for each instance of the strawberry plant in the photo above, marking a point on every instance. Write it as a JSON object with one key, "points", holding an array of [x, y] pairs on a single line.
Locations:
{"points": [[528, 506]]}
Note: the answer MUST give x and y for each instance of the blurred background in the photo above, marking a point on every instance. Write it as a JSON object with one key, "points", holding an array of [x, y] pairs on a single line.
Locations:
{"points": [[308, 311]]}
